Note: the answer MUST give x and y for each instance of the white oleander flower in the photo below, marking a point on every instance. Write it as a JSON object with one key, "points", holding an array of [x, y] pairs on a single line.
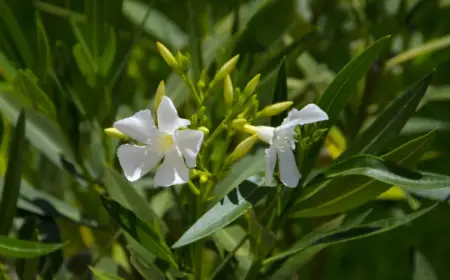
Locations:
{"points": [[282, 144], [178, 148]]}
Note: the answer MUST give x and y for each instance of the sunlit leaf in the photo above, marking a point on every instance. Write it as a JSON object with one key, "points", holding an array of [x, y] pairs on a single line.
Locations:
{"points": [[20, 249]]}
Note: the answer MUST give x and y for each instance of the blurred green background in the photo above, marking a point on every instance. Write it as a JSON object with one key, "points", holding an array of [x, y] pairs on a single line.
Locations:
{"points": [[85, 91]]}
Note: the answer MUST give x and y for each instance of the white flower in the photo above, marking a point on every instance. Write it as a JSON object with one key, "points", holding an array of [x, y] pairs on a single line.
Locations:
{"points": [[282, 144], [165, 141]]}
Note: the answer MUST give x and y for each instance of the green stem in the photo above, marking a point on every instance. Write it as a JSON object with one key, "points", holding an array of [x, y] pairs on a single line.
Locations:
{"points": [[193, 188], [219, 129], [228, 258], [191, 86]]}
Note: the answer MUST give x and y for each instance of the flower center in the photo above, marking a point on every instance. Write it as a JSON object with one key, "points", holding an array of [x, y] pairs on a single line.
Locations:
{"points": [[165, 142], [284, 140]]}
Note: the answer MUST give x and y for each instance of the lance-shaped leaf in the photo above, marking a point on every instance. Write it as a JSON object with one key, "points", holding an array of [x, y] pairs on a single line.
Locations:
{"points": [[20, 249], [280, 93], [345, 193], [11, 189], [351, 232], [339, 92], [385, 172], [223, 213], [390, 122], [139, 230]]}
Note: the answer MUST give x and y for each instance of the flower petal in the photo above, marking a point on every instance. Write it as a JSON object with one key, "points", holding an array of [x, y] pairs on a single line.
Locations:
{"points": [[271, 160], [136, 161], [168, 120], [265, 133], [311, 113], [172, 171], [189, 142], [289, 173], [140, 126]]}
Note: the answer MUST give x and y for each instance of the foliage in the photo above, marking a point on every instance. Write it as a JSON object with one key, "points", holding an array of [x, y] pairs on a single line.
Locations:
{"points": [[374, 175]]}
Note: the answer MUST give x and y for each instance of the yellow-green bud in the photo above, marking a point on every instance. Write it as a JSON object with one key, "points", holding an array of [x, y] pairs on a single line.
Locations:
{"points": [[226, 68], [167, 56], [251, 86], [228, 90], [242, 148], [114, 132], [183, 62], [239, 123], [204, 129], [275, 109], [204, 178], [160, 92]]}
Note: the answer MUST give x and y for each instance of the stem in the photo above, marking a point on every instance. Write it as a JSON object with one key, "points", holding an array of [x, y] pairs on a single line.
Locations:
{"points": [[219, 129], [191, 86], [228, 257], [193, 188]]}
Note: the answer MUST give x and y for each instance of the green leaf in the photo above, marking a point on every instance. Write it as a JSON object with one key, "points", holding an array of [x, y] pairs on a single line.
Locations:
{"points": [[423, 270], [11, 189], [83, 64], [148, 270], [139, 230], [386, 172], [343, 194], [390, 122], [25, 86], [351, 232], [21, 249], [264, 239], [339, 92], [123, 192], [248, 166], [18, 37], [40, 131], [27, 268], [280, 93], [157, 24], [223, 213], [83, 50], [44, 52], [109, 53], [7, 70], [101, 275]]}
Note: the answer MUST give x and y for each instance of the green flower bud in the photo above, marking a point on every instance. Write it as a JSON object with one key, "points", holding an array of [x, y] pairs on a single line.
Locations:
{"points": [[275, 109], [204, 129], [239, 123], [160, 92], [228, 90], [114, 132], [167, 56], [251, 86], [226, 68], [242, 148]]}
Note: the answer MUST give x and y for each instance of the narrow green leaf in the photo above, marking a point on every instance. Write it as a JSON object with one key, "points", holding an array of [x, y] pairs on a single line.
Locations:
{"points": [[351, 232], [280, 93], [423, 270], [339, 92], [148, 270], [390, 122], [7, 70], [101, 275], [109, 53], [40, 131], [248, 166], [25, 86], [124, 193], [157, 24], [139, 230], [44, 58], [386, 172], [27, 268], [84, 47], [20, 41], [21, 249], [83, 64], [263, 237], [223, 213], [11, 189], [346, 193]]}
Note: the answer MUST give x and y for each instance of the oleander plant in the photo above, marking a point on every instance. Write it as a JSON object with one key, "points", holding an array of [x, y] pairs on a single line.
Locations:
{"points": [[241, 139]]}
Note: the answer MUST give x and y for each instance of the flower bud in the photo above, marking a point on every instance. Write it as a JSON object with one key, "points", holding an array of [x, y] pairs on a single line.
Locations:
{"points": [[275, 109], [183, 62], [204, 178], [242, 148], [204, 130], [239, 123], [226, 68], [160, 92], [167, 56], [251, 86], [114, 132], [228, 90]]}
